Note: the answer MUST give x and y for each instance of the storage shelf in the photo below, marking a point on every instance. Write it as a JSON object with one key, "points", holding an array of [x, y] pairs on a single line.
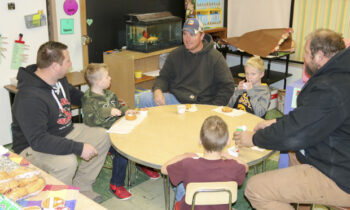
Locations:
{"points": [[270, 75], [144, 78], [122, 66]]}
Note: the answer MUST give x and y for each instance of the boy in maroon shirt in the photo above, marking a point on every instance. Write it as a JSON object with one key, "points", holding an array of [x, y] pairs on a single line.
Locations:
{"points": [[214, 166]]}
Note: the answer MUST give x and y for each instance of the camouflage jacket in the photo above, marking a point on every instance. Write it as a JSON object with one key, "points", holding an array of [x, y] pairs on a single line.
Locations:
{"points": [[97, 108]]}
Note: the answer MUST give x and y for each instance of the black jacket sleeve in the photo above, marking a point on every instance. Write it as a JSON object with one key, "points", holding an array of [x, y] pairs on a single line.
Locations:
{"points": [[313, 121], [37, 133], [165, 75]]}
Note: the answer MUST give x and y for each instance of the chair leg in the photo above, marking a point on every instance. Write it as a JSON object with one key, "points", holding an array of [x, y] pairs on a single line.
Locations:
{"points": [[166, 191], [264, 166], [174, 198], [129, 173]]}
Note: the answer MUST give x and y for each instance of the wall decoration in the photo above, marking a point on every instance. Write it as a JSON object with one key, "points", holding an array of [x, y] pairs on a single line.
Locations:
{"points": [[2, 49], [70, 7], [18, 57], [67, 26]]}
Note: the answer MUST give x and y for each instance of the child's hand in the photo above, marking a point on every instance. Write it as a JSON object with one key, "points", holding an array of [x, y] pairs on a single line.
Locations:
{"points": [[130, 112], [247, 85], [240, 85], [115, 112]]}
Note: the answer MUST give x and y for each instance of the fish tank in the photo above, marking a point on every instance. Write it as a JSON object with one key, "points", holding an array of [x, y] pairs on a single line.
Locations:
{"points": [[153, 31]]}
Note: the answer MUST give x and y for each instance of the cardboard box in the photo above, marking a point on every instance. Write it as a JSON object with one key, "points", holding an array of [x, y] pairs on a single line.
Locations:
{"points": [[280, 100], [273, 98], [292, 92]]}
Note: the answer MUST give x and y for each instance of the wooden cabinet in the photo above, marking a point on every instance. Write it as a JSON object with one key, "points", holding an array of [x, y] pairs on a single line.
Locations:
{"points": [[122, 66], [217, 33]]}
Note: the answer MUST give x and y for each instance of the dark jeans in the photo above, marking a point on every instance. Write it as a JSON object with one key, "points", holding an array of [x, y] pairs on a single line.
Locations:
{"points": [[119, 168]]}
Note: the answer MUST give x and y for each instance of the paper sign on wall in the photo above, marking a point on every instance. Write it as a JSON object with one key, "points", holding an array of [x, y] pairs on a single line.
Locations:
{"points": [[296, 92], [67, 26], [17, 53], [2, 49]]}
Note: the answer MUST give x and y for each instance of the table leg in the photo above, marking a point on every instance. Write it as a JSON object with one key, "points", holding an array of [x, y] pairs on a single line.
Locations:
{"points": [[255, 169], [166, 191]]}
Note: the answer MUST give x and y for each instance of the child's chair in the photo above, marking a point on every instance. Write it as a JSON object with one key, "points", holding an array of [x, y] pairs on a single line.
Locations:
{"points": [[211, 193]]}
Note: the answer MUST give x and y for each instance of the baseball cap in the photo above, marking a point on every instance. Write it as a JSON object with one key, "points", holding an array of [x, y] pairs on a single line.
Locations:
{"points": [[193, 26]]}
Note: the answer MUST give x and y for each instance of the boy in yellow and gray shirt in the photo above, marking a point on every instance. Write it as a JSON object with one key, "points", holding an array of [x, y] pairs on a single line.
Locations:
{"points": [[251, 95]]}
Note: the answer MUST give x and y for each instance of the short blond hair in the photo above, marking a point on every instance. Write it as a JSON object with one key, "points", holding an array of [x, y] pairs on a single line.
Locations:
{"points": [[256, 62], [92, 72], [214, 134]]}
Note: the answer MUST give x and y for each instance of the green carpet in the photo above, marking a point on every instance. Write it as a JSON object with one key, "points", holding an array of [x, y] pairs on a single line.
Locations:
{"points": [[242, 203], [273, 114], [101, 184]]}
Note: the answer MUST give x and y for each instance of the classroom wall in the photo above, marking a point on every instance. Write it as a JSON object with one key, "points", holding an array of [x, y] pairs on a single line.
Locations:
{"points": [[73, 41], [11, 24]]}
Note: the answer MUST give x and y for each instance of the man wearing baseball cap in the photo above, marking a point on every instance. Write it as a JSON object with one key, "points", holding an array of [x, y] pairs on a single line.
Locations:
{"points": [[194, 73]]}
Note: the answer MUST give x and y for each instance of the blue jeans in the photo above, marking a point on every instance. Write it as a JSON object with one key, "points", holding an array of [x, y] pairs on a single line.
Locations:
{"points": [[180, 192], [119, 168], [146, 100]]}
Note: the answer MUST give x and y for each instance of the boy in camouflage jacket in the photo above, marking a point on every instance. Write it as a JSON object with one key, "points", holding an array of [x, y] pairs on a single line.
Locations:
{"points": [[102, 108]]}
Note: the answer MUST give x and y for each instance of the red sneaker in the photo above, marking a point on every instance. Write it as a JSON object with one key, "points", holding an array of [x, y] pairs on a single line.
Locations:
{"points": [[120, 192], [150, 172], [177, 206]]}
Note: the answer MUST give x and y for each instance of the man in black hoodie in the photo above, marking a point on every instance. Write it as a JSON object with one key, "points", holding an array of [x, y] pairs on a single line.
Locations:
{"points": [[194, 73], [42, 126], [318, 130]]}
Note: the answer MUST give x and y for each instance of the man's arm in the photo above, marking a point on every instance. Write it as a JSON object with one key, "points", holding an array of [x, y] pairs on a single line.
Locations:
{"points": [[304, 126], [32, 117], [176, 159], [165, 75], [223, 82], [158, 97]]}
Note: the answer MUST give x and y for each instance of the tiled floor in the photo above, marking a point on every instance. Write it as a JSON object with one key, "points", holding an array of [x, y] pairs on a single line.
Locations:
{"points": [[148, 195]]}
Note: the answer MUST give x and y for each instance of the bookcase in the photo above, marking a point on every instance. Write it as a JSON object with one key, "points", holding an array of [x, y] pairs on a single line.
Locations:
{"points": [[122, 66]]}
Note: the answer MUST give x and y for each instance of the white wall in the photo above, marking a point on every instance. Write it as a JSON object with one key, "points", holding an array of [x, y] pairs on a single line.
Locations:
{"points": [[73, 41], [11, 24]]}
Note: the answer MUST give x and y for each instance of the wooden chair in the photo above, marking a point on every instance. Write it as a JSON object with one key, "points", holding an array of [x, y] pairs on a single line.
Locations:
{"points": [[211, 193]]}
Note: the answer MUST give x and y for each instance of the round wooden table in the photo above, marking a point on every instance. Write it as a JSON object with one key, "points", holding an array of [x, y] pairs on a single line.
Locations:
{"points": [[164, 134]]}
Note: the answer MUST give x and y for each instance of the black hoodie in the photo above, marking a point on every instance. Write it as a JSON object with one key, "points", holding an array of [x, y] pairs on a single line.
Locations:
{"points": [[201, 78], [42, 120], [319, 128]]}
